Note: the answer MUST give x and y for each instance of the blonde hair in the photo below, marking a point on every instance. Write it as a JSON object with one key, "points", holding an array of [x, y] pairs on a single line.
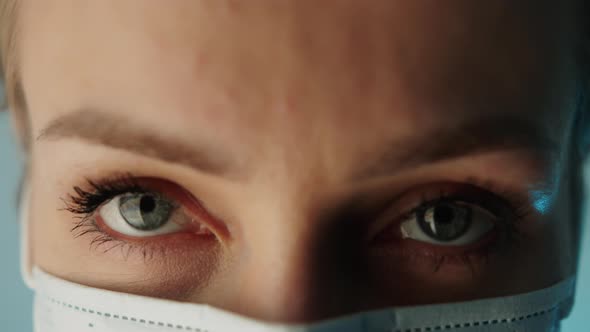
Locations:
{"points": [[14, 96]]}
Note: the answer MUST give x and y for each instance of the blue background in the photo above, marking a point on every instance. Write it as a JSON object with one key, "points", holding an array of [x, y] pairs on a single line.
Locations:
{"points": [[15, 298]]}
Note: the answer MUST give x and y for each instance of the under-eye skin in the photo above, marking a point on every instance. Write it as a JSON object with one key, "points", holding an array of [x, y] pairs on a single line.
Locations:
{"points": [[443, 223], [145, 214], [450, 223]]}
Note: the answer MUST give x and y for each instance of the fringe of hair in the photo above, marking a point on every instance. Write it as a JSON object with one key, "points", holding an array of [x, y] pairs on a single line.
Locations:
{"points": [[13, 92]]}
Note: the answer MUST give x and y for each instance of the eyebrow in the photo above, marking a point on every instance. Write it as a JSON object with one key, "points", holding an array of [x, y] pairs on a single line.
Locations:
{"points": [[481, 134], [477, 135], [119, 133]]}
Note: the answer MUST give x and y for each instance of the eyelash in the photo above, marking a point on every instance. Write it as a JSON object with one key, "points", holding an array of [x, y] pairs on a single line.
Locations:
{"points": [[84, 203]]}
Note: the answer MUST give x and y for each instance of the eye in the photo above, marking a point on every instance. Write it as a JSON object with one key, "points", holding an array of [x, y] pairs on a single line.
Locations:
{"points": [[146, 214], [447, 227], [448, 223]]}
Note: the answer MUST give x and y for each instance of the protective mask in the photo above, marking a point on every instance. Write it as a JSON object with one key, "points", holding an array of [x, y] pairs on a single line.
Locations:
{"points": [[63, 306]]}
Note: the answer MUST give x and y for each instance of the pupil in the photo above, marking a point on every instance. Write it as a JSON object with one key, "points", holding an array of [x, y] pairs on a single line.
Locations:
{"points": [[147, 204], [444, 214]]}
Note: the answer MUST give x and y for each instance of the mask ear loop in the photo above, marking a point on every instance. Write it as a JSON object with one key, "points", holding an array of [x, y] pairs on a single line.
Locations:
{"points": [[25, 252]]}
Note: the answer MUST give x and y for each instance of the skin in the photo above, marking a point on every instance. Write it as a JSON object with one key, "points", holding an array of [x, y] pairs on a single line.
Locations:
{"points": [[297, 99]]}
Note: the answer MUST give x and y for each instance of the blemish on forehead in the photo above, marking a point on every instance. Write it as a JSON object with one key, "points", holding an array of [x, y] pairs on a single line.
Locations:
{"points": [[201, 59], [287, 104], [233, 6]]}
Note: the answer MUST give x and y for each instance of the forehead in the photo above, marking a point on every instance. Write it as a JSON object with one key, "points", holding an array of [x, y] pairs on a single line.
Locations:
{"points": [[294, 69]]}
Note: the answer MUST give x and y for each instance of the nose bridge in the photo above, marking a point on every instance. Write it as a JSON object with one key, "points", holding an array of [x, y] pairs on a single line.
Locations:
{"points": [[279, 271], [289, 274]]}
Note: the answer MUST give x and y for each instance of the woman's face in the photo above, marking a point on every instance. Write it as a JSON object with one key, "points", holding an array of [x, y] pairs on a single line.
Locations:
{"points": [[296, 160]]}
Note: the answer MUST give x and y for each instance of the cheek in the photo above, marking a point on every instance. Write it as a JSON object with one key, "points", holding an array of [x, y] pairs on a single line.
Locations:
{"points": [[173, 272]]}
